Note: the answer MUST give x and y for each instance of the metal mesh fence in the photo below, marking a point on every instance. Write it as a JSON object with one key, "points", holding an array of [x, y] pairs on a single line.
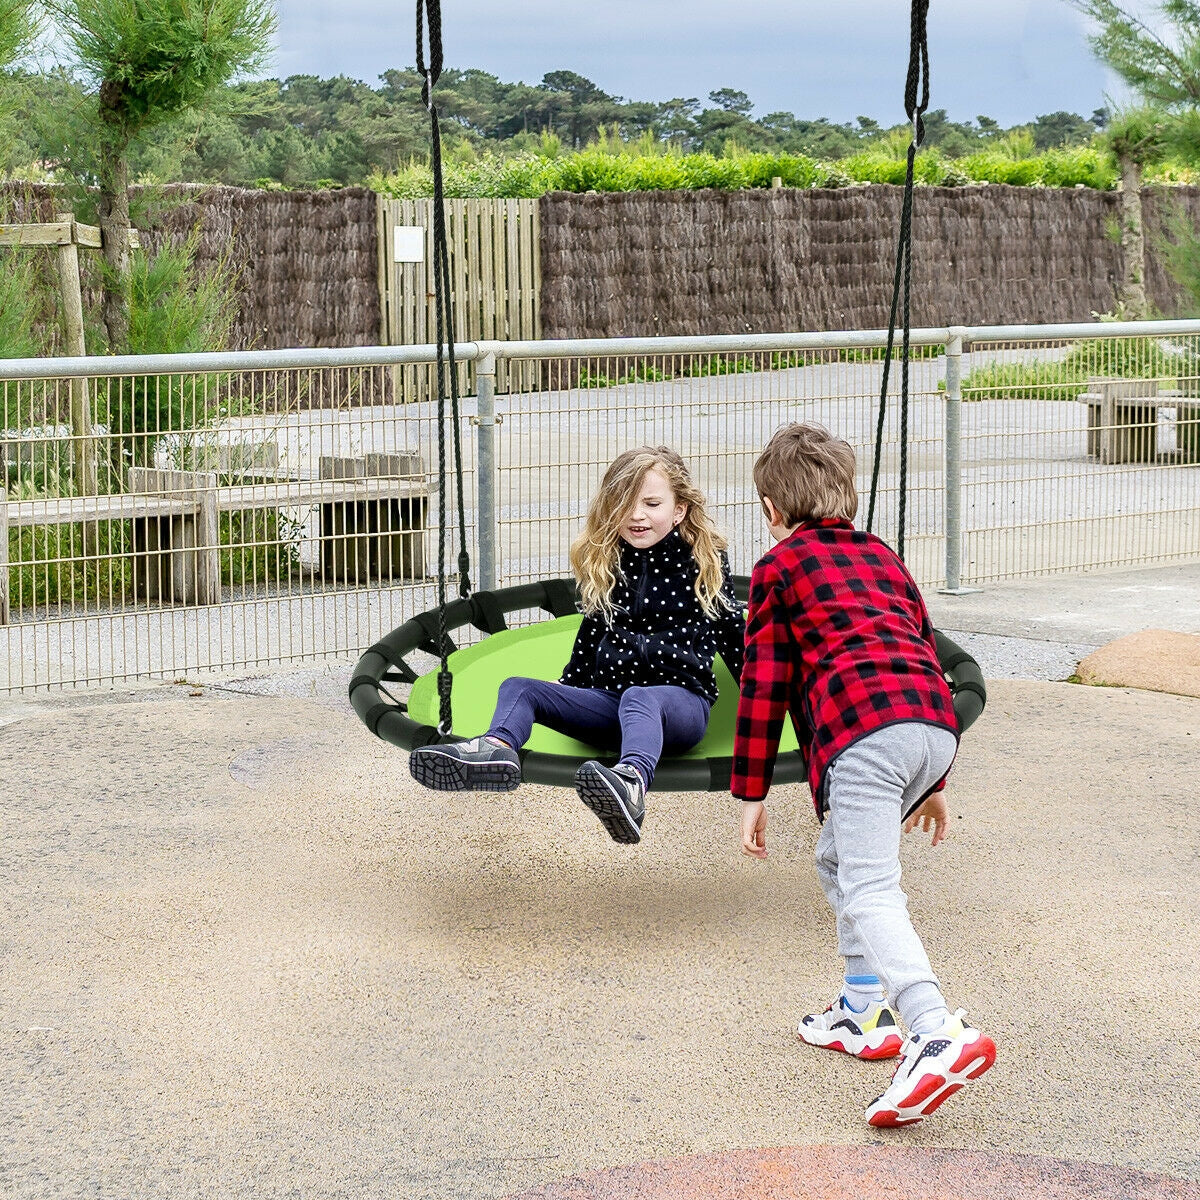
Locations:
{"points": [[717, 411], [1080, 455], [235, 521], [231, 513]]}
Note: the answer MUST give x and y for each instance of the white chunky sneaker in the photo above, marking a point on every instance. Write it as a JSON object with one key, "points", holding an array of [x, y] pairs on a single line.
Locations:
{"points": [[933, 1066], [872, 1033]]}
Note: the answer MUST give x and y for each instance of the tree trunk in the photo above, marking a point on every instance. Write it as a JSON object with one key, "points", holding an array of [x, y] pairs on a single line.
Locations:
{"points": [[114, 218], [1133, 241]]}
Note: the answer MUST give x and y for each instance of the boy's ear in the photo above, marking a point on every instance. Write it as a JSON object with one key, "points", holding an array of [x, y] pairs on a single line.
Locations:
{"points": [[774, 516]]}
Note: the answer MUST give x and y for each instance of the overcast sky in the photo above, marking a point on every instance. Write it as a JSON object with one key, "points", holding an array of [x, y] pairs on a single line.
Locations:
{"points": [[1010, 60]]}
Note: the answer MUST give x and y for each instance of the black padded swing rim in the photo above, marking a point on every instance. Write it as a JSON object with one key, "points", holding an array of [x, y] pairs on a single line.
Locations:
{"points": [[558, 597]]}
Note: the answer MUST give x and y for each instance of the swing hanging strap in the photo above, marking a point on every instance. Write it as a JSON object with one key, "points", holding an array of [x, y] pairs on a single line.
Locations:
{"points": [[918, 79], [430, 73]]}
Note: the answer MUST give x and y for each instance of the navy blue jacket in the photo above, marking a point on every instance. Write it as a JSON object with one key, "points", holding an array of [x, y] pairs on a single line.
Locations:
{"points": [[659, 633]]}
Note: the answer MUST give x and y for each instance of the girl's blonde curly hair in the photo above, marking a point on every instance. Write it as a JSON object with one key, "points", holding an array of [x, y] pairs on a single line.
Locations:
{"points": [[596, 552]]}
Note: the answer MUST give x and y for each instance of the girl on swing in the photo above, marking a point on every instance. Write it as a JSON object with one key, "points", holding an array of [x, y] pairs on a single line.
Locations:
{"points": [[658, 604]]}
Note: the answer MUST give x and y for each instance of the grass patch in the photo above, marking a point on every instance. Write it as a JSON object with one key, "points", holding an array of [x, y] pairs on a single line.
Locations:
{"points": [[48, 566], [53, 565], [698, 368], [258, 546], [1112, 358]]}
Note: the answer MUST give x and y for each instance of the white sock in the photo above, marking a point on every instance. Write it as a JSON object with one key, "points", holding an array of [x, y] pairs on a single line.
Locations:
{"points": [[930, 1021], [861, 990]]}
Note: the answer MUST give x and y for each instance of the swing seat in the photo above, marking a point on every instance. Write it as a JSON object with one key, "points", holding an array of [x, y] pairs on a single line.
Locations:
{"points": [[540, 651]]}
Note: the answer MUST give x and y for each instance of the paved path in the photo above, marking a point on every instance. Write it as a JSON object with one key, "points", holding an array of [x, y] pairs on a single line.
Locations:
{"points": [[242, 954]]}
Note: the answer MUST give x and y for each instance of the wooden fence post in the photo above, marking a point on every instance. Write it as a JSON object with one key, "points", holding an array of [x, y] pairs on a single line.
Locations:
{"points": [[83, 436]]}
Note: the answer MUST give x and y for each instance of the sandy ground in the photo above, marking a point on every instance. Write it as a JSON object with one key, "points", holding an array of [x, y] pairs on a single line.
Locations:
{"points": [[242, 954], [1156, 660]]}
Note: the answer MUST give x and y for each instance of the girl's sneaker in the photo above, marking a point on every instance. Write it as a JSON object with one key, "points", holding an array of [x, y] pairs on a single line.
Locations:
{"points": [[617, 796], [479, 765], [933, 1066], [872, 1033]]}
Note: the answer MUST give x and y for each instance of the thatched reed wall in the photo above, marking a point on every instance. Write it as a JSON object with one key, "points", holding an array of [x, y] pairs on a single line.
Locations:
{"points": [[686, 262], [768, 261], [306, 262]]}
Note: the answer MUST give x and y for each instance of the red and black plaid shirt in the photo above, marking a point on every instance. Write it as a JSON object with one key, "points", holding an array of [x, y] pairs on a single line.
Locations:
{"points": [[838, 636]]}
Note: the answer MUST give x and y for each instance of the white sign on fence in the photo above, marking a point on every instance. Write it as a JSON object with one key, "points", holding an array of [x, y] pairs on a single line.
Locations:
{"points": [[408, 244]]}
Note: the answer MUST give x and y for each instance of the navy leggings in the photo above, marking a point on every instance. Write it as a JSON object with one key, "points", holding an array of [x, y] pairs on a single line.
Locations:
{"points": [[641, 722]]}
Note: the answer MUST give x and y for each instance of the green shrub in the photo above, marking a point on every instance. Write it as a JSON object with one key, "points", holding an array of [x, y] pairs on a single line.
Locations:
{"points": [[611, 165], [1125, 358], [1021, 381], [19, 287], [990, 167], [258, 546], [873, 167], [1119, 358], [175, 307], [49, 565], [1079, 165], [27, 321], [794, 170]]}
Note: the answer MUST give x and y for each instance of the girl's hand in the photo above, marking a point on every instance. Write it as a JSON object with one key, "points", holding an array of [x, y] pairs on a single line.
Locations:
{"points": [[933, 813], [754, 828]]}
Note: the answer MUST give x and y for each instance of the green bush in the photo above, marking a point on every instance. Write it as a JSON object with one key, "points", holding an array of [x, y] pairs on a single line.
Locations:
{"points": [[1079, 165], [258, 546], [1116, 358], [1021, 381], [175, 307], [18, 311], [27, 321], [48, 565], [1125, 358], [872, 167], [613, 166]]}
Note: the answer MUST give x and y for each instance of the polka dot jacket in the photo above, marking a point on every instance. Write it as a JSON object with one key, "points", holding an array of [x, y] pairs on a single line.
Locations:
{"points": [[659, 633]]}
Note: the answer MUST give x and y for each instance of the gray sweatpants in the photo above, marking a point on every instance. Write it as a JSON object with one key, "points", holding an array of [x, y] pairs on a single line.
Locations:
{"points": [[869, 787]]}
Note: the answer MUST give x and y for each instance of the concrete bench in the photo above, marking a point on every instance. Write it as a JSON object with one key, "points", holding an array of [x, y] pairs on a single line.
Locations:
{"points": [[1122, 423], [1187, 425], [373, 512]]}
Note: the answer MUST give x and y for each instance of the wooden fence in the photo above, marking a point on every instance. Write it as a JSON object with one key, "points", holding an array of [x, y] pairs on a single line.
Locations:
{"points": [[495, 281]]}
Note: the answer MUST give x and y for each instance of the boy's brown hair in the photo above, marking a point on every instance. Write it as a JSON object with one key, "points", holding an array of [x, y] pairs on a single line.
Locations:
{"points": [[808, 474]]}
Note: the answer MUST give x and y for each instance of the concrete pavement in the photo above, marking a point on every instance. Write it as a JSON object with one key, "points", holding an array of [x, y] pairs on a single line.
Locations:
{"points": [[242, 954]]}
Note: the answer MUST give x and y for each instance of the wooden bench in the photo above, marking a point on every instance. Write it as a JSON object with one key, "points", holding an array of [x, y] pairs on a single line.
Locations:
{"points": [[372, 522], [1122, 423]]}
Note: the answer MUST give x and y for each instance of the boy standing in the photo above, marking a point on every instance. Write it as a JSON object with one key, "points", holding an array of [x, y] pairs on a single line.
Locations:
{"points": [[838, 636]]}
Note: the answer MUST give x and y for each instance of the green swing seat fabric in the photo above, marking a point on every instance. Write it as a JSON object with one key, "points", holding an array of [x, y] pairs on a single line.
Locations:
{"points": [[540, 651]]}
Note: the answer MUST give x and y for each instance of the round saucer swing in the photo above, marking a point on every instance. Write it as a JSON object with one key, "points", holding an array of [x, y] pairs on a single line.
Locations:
{"points": [[540, 651], [456, 701]]}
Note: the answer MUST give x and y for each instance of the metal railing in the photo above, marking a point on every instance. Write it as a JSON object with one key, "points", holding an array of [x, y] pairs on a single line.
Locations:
{"points": [[165, 515]]}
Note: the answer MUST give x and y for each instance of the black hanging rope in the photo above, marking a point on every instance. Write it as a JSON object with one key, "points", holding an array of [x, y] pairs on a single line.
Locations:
{"points": [[918, 78], [431, 72]]}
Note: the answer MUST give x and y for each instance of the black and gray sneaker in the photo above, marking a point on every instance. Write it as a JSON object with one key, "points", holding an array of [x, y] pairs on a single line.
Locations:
{"points": [[479, 765], [617, 796]]}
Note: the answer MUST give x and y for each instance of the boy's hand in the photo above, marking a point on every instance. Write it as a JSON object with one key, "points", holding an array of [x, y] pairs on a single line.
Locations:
{"points": [[933, 813], [754, 828]]}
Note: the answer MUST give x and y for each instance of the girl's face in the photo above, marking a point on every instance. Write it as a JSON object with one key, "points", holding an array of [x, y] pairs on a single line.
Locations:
{"points": [[654, 512]]}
